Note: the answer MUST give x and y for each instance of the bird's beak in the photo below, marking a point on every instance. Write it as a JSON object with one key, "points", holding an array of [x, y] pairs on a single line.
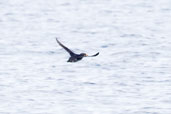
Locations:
{"points": [[86, 55]]}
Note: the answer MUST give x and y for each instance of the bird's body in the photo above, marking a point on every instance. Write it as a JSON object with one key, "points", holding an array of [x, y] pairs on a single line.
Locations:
{"points": [[73, 56]]}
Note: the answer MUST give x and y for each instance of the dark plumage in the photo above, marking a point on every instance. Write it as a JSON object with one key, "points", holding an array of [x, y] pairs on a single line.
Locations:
{"points": [[73, 56]]}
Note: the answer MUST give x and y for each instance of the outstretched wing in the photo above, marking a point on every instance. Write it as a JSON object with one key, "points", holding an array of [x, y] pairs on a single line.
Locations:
{"points": [[94, 55], [68, 50]]}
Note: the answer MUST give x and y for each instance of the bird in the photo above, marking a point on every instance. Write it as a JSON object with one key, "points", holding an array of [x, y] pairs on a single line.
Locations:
{"points": [[73, 56]]}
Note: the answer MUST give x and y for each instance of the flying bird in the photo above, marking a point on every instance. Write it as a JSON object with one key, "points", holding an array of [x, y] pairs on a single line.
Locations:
{"points": [[73, 56]]}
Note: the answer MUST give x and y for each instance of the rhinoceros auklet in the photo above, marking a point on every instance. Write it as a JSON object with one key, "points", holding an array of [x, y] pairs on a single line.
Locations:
{"points": [[73, 56]]}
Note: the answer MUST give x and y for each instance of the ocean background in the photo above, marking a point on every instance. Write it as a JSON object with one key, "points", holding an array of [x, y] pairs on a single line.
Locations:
{"points": [[131, 75]]}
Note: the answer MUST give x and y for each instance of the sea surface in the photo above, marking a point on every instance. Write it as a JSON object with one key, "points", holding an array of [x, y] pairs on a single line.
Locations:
{"points": [[131, 75]]}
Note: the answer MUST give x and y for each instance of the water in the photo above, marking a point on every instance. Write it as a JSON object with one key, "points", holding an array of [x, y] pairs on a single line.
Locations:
{"points": [[130, 76]]}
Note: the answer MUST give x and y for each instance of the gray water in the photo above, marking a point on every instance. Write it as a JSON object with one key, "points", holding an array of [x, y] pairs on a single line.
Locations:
{"points": [[132, 74]]}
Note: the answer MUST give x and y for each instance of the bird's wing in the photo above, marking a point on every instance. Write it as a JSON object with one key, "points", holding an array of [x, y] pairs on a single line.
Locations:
{"points": [[68, 50], [94, 55]]}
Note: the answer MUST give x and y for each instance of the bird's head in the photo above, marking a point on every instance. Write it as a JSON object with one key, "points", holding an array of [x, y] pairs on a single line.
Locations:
{"points": [[84, 54]]}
